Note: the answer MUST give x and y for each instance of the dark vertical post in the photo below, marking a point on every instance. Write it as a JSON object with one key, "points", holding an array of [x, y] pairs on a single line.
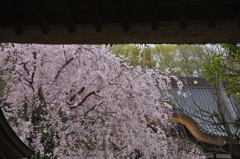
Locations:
{"points": [[154, 14], [237, 10], [66, 6], [212, 10], [15, 16], [41, 15], [96, 12], [183, 14], [124, 14]]}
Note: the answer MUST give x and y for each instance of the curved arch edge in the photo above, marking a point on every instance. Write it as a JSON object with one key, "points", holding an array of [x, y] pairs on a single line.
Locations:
{"points": [[192, 127]]}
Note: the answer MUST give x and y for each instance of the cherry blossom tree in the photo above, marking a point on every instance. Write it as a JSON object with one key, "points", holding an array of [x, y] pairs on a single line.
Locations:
{"points": [[80, 101]]}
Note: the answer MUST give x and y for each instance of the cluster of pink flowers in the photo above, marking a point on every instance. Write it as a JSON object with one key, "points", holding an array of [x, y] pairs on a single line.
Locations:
{"points": [[79, 100]]}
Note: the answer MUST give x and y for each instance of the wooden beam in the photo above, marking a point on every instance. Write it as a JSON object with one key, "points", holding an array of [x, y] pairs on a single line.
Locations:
{"points": [[41, 16], [237, 10], [183, 14], [212, 11], [96, 12], [15, 16], [66, 6], [154, 14], [124, 14]]}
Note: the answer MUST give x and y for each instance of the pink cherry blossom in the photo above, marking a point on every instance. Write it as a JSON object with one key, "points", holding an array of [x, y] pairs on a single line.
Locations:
{"points": [[80, 101]]}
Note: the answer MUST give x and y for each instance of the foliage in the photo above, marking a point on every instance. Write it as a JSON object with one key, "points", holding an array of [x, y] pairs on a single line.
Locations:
{"points": [[180, 60], [70, 101], [225, 67]]}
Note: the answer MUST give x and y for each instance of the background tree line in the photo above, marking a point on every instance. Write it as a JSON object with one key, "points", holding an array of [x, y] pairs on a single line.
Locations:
{"points": [[180, 60], [218, 63]]}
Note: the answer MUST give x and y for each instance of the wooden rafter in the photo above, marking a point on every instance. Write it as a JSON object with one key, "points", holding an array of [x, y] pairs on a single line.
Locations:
{"points": [[14, 14], [183, 14], [212, 9], [237, 11], [66, 6], [124, 14], [41, 16], [96, 10], [154, 14]]}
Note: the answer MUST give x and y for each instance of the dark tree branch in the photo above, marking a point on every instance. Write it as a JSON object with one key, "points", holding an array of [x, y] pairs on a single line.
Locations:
{"points": [[25, 68], [62, 67], [84, 99], [41, 96], [31, 81], [34, 66], [74, 96], [92, 108], [28, 81], [118, 75]]}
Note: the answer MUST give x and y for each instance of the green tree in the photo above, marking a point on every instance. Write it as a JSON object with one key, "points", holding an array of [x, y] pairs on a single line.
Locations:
{"points": [[135, 55], [225, 67], [180, 60]]}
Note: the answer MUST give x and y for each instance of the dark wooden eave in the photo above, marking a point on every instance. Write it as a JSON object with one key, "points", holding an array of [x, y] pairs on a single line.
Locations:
{"points": [[11, 147], [125, 21]]}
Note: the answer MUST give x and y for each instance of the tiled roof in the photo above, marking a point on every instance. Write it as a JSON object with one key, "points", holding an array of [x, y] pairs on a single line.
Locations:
{"points": [[199, 104]]}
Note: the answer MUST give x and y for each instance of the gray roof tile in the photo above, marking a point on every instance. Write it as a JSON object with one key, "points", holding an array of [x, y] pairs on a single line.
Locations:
{"points": [[200, 105]]}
